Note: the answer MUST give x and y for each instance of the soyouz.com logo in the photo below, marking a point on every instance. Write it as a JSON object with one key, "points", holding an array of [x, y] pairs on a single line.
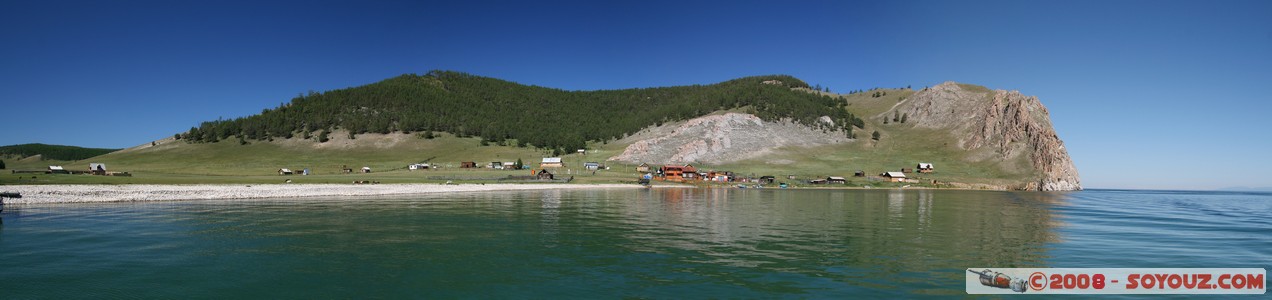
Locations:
{"points": [[1116, 281]]}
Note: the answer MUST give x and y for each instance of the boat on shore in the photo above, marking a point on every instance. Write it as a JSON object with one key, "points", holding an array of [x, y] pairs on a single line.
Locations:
{"points": [[7, 195]]}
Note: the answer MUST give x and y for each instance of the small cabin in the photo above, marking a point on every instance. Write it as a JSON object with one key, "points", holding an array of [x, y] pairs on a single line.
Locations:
{"points": [[551, 162], [817, 181], [285, 171], [497, 165], [688, 172], [859, 173], [642, 168], [835, 180], [57, 170], [366, 169], [544, 175], [767, 179], [508, 165], [592, 166], [97, 168], [925, 168], [894, 176]]}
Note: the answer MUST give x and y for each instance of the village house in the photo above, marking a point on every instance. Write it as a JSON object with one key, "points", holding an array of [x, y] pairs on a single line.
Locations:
{"points": [[497, 165], [676, 173], [835, 180], [592, 166], [544, 175], [767, 179], [508, 165], [688, 172], [859, 173], [419, 166], [925, 168], [894, 176], [551, 162], [97, 168], [467, 164], [285, 171], [642, 168], [57, 170]]}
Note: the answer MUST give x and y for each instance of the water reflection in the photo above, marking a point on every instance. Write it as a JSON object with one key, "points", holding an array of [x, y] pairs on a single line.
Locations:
{"points": [[861, 238], [642, 243]]}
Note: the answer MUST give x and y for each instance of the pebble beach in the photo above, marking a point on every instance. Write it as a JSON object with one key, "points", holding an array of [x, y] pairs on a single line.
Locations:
{"points": [[32, 194]]}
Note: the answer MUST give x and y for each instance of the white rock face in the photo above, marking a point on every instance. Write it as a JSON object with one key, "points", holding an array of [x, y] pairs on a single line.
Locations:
{"points": [[720, 139]]}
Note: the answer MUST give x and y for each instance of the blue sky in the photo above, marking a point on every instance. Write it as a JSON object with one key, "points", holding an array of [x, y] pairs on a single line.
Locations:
{"points": [[1145, 94]]}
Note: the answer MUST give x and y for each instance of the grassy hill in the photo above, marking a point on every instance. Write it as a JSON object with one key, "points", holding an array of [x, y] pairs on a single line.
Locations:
{"points": [[51, 152], [507, 113]]}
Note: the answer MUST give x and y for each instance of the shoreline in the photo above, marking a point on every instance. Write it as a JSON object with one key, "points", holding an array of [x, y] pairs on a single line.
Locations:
{"points": [[97, 193]]}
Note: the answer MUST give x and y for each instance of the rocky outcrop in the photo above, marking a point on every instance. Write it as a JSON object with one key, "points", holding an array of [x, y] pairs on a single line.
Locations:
{"points": [[1007, 122], [722, 138]]}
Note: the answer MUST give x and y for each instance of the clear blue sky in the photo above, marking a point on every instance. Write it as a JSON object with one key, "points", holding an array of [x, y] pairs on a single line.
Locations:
{"points": [[1145, 94]]}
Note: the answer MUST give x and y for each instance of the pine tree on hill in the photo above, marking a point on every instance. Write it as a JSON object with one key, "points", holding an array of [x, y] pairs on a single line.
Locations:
{"points": [[497, 110]]}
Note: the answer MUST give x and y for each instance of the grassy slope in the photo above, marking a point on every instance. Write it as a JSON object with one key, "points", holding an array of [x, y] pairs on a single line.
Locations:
{"points": [[228, 162]]}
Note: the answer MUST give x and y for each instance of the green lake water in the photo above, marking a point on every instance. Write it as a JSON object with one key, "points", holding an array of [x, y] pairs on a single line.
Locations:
{"points": [[612, 243]]}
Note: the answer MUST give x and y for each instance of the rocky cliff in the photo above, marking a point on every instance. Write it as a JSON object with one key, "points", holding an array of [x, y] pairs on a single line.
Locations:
{"points": [[1007, 122], [723, 138]]}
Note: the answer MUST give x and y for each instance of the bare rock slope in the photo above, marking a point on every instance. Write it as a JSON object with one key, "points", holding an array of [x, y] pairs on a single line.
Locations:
{"points": [[724, 138], [1007, 122]]}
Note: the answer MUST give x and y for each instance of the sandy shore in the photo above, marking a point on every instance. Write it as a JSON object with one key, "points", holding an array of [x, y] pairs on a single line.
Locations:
{"points": [[155, 192]]}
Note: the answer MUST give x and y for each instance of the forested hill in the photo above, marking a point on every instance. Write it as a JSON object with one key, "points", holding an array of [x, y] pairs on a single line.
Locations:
{"points": [[54, 152], [505, 112]]}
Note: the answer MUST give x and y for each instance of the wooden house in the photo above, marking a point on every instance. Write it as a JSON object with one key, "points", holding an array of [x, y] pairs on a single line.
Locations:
{"points": [[467, 164], [57, 170], [925, 168], [859, 173], [767, 179], [690, 173], [97, 168], [672, 173], [551, 162], [509, 165], [817, 181], [544, 175], [285, 171], [894, 176], [835, 180], [642, 168]]}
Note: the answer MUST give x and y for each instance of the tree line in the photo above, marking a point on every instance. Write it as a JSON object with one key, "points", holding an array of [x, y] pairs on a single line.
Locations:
{"points": [[53, 152], [508, 113]]}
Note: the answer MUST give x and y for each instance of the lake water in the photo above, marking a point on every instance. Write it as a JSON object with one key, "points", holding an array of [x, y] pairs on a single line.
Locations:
{"points": [[660, 243]]}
